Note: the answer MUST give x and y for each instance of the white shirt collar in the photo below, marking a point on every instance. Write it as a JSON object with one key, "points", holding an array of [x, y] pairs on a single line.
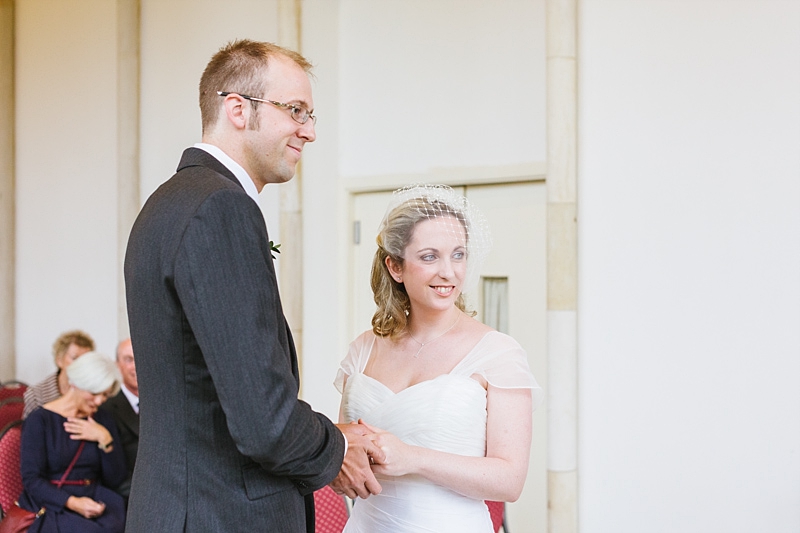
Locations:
{"points": [[240, 173], [132, 398]]}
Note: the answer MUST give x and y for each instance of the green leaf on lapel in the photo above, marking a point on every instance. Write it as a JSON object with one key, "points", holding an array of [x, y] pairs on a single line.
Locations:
{"points": [[274, 248]]}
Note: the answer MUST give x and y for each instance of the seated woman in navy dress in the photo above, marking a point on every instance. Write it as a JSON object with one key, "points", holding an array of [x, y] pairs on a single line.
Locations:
{"points": [[51, 437]]}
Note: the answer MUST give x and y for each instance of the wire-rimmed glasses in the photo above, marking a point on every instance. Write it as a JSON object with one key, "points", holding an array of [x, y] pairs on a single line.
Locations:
{"points": [[299, 114]]}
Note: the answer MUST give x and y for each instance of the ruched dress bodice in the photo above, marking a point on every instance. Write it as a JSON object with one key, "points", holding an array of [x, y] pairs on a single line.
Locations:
{"points": [[448, 414]]}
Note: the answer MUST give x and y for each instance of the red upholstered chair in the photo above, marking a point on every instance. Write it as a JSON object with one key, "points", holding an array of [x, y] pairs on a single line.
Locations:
{"points": [[10, 476], [497, 510], [331, 511], [11, 410], [12, 389]]}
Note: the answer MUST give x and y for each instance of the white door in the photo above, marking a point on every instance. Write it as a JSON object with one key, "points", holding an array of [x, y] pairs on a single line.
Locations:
{"points": [[517, 266]]}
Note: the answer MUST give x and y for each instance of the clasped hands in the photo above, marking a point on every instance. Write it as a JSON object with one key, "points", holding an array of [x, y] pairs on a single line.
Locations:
{"points": [[367, 453]]}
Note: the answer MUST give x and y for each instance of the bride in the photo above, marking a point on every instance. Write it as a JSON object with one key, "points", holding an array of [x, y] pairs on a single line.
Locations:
{"points": [[453, 397]]}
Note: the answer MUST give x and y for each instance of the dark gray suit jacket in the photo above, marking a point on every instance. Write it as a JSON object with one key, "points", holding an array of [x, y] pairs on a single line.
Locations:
{"points": [[225, 443], [128, 426]]}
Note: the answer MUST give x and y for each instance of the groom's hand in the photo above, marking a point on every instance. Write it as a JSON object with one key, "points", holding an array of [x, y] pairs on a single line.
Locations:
{"points": [[356, 477]]}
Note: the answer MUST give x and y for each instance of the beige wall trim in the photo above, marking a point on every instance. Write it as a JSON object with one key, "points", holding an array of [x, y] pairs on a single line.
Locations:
{"points": [[452, 176], [128, 189], [291, 201], [8, 365], [562, 488], [562, 265]]}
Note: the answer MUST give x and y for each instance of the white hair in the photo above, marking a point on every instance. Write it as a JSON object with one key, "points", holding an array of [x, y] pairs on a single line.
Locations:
{"points": [[95, 373]]}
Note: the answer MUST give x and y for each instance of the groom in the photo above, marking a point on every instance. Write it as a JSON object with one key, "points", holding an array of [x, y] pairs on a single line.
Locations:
{"points": [[225, 444]]}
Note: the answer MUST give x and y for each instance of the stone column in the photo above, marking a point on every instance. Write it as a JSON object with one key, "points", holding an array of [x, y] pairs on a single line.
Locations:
{"points": [[128, 190], [291, 200], [562, 264], [8, 364]]}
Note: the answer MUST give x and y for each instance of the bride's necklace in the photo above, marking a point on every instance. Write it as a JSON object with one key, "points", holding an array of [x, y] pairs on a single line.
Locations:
{"points": [[423, 344]]}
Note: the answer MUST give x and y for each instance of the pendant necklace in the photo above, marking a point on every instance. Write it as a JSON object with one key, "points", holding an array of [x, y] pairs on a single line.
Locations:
{"points": [[423, 344]]}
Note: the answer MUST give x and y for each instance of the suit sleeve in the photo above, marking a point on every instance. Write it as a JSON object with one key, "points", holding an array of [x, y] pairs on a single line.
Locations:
{"points": [[225, 279]]}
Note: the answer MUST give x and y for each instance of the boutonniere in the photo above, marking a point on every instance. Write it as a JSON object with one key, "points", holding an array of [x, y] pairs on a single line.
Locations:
{"points": [[274, 248]]}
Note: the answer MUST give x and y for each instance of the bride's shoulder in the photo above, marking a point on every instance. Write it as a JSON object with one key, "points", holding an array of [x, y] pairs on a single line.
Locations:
{"points": [[488, 337], [490, 341], [474, 325], [364, 342]]}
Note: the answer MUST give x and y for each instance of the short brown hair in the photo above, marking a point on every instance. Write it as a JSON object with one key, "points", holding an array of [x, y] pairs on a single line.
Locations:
{"points": [[76, 337], [238, 67]]}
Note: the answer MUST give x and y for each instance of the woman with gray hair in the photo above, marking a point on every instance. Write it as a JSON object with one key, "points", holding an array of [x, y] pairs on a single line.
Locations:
{"points": [[67, 432]]}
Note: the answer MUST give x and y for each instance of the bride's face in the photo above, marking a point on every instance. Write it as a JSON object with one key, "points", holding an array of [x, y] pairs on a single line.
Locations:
{"points": [[435, 263]]}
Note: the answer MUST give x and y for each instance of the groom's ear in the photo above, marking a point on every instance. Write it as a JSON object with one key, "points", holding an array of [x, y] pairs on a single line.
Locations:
{"points": [[236, 110]]}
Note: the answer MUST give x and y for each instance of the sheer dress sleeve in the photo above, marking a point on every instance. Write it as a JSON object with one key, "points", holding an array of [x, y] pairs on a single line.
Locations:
{"points": [[355, 360], [503, 363]]}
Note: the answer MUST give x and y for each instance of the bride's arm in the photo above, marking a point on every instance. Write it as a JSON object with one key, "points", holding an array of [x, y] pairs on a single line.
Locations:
{"points": [[499, 476]]}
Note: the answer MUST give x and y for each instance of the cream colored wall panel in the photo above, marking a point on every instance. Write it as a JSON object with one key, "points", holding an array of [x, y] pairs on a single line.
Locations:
{"points": [[561, 129], [66, 163], [563, 489], [561, 258]]}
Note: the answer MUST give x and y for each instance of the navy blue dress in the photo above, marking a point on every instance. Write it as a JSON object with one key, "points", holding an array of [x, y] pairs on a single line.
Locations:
{"points": [[46, 452]]}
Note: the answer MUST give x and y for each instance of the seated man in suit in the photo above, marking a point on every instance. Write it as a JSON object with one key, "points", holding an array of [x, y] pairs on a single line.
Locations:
{"points": [[124, 407]]}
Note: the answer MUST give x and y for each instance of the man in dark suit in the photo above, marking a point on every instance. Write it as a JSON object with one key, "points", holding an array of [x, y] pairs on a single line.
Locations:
{"points": [[225, 443], [124, 408]]}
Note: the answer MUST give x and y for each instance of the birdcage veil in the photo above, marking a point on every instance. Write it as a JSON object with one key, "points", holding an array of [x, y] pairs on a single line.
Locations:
{"points": [[448, 207]]}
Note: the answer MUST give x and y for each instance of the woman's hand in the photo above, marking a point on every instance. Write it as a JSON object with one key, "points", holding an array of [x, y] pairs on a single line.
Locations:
{"points": [[400, 456], [86, 507], [87, 429]]}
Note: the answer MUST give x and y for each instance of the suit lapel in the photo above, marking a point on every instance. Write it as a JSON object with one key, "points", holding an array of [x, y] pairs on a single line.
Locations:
{"points": [[125, 413]]}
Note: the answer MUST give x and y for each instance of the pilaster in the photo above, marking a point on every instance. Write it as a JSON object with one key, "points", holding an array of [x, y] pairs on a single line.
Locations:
{"points": [[562, 265], [291, 201], [7, 193]]}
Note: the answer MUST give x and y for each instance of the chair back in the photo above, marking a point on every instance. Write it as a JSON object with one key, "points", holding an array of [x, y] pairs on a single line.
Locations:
{"points": [[10, 475], [11, 410], [497, 511], [331, 511], [12, 389]]}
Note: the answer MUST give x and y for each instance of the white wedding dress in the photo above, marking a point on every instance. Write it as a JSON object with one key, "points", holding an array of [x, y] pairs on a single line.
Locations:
{"points": [[448, 414]]}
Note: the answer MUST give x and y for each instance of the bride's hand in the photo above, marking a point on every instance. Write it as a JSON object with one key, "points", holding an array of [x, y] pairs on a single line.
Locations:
{"points": [[399, 459]]}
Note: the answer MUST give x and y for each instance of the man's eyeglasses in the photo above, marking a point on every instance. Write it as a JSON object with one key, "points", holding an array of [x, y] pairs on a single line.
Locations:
{"points": [[299, 114]]}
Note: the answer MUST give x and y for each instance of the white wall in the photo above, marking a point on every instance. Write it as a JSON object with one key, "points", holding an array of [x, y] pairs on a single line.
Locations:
{"points": [[689, 253], [66, 263], [450, 83]]}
